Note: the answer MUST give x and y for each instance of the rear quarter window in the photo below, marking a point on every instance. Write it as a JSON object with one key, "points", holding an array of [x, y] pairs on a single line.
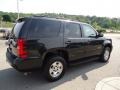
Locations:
{"points": [[44, 28]]}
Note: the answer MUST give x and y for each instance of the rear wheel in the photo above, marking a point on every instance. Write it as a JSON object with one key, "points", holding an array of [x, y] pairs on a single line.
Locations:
{"points": [[54, 68], [106, 54]]}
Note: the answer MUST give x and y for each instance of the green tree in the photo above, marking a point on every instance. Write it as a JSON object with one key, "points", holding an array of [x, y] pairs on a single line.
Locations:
{"points": [[1, 21], [1, 18], [97, 22], [96, 26], [6, 18]]}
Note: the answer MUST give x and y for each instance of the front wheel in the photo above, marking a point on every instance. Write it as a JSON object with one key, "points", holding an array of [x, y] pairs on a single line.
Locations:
{"points": [[106, 55], [55, 68]]}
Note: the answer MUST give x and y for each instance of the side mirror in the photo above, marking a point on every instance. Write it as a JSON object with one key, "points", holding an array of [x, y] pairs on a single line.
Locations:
{"points": [[92, 36], [100, 35]]}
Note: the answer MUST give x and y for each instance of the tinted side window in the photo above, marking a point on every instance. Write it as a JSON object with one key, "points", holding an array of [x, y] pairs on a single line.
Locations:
{"points": [[72, 30], [44, 28], [88, 30]]}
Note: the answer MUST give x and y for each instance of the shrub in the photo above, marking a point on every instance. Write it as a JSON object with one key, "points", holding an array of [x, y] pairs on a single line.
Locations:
{"points": [[101, 30]]}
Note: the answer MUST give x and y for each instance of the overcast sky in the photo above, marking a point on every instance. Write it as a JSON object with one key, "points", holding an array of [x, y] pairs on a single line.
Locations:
{"points": [[108, 8]]}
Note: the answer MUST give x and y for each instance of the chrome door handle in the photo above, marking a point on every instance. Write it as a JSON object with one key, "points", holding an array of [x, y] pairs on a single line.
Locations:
{"points": [[67, 42]]}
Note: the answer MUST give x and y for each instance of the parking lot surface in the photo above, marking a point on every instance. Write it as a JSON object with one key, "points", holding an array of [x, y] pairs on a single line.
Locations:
{"points": [[80, 77]]}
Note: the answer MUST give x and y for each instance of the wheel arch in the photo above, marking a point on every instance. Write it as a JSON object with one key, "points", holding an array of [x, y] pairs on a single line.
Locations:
{"points": [[63, 53], [108, 43]]}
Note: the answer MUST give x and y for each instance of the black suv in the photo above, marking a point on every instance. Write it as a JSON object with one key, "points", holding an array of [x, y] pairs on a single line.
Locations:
{"points": [[53, 44]]}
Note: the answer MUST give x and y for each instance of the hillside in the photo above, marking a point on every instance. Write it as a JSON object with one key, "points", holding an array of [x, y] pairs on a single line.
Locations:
{"points": [[97, 22]]}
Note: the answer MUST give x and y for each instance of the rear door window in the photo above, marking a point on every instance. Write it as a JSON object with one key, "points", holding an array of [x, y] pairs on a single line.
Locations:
{"points": [[72, 30], [44, 28]]}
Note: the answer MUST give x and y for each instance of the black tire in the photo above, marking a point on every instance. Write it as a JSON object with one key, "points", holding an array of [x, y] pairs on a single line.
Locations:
{"points": [[102, 58], [48, 65]]}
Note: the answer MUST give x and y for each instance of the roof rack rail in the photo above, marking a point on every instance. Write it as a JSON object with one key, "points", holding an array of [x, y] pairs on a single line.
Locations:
{"points": [[51, 17], [39, 16]]}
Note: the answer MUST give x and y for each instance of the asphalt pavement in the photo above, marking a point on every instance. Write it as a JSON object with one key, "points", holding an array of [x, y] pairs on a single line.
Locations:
{"points": [[81, 77]]}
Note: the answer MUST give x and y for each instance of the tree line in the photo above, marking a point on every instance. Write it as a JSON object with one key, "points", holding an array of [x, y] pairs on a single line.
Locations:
{"points": [[97, 22]]}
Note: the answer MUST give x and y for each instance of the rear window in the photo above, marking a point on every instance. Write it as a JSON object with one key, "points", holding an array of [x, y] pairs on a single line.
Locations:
{"points": [[17, 29], [44, 28]]}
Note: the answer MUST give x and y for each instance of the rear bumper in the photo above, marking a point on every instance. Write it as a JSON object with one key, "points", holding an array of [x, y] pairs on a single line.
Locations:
{"points": [[23, 65]]}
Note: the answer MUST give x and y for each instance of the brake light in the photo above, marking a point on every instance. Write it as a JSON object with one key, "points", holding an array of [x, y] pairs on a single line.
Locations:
{"points": [[22, 48]]}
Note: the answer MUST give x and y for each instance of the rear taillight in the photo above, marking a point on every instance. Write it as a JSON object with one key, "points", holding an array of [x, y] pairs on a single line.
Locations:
{"points": [[22, 48]]}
